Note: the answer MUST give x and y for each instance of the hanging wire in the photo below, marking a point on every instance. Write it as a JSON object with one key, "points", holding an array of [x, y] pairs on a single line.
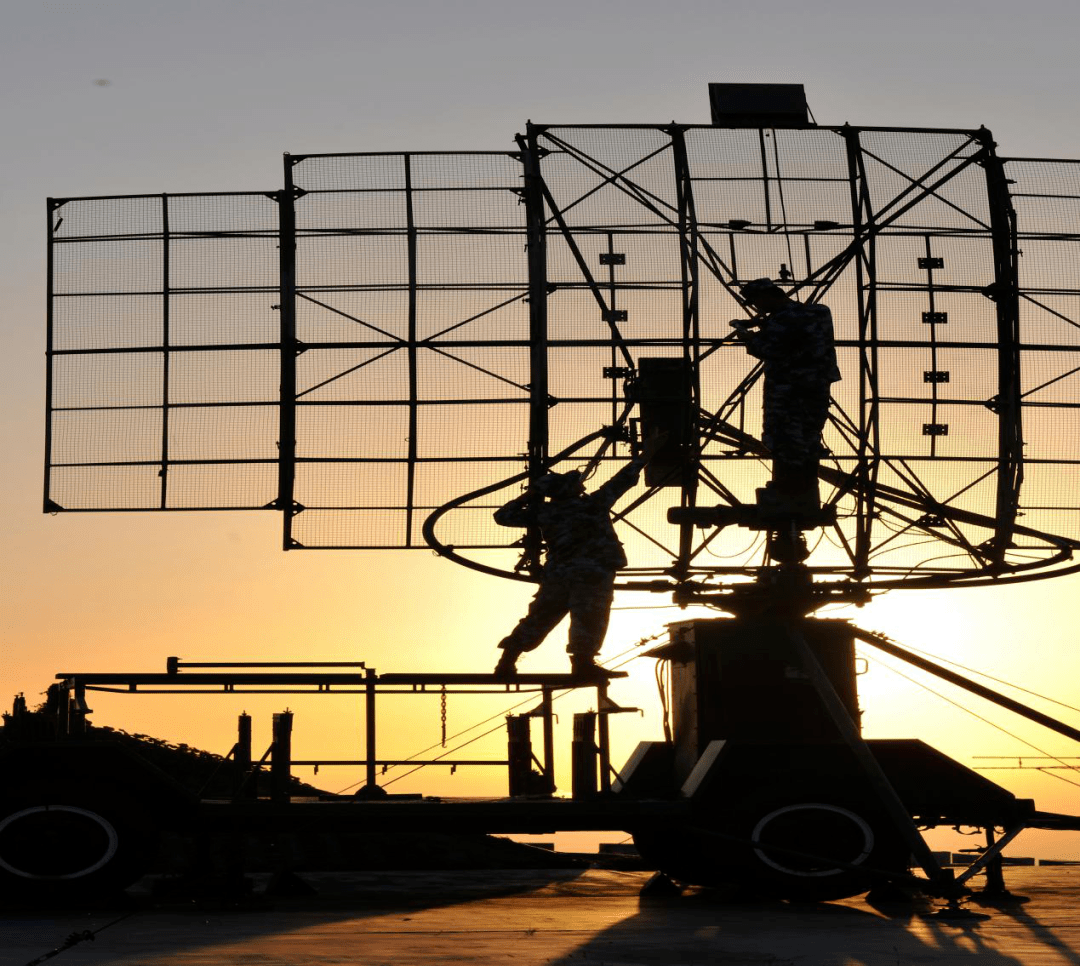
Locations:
{"points": [[464, 744], [500, 714], [746, 551], [974, 714], [646, 607], [783, 209], [883, 551], [662, 681], [438, 744], [828, 536], [971, 670], [73, 939], [929, 560], [491, 731]]}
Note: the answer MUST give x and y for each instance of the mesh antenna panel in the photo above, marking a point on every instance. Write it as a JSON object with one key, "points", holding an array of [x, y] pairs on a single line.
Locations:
{"points": [[392, 335]]}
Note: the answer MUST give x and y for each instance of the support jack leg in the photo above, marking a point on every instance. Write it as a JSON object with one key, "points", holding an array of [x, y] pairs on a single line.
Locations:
{"points": [[954, 912], [951, 891], [995, 892]]}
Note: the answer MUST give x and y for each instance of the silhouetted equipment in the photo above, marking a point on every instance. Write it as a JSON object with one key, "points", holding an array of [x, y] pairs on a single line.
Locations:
{"points": [[524, 779], [779, 756], [281, 757], [664, 394], [759, 105], [315, 350], [80, 818], [242, 787], [584, 757], [742, 679]]}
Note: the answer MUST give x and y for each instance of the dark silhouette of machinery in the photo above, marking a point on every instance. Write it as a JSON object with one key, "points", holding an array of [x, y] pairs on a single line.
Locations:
{"points": [[389, 345]]}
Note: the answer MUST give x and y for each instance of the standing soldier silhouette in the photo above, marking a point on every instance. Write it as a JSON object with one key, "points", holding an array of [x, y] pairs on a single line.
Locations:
{"points": [[795, 343], [582, 556]]}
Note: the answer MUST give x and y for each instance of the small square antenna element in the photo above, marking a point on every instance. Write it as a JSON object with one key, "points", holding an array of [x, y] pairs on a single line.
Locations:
{"points": [[758, 105]]}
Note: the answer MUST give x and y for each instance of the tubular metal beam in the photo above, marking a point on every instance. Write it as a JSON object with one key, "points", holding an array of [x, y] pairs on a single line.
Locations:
{"points": [[370, 781], [242, 784], [287, 320], [990, 854], [281, 757], [166, 356], [866, 293], [1007, 304], [691, 329], [549, 740], [413, 390], [539, 398], [849, 731], [883, 644]]}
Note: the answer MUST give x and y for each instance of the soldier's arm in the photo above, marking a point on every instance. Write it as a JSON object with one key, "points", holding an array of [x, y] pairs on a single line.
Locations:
{"points": [[627, 477], [768, 341], [517, 513], [622, 481], [746, 333]]}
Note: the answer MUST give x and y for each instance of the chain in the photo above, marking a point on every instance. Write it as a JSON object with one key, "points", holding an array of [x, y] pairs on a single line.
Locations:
{"points": [[442, 713]]}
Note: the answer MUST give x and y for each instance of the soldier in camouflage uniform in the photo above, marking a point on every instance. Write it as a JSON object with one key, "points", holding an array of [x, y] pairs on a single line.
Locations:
{"points": [[795, 343], [583, 554]]}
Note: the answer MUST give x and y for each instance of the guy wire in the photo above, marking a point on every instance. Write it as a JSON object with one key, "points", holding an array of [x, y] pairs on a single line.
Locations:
{"points": [[491, 731], [971, 670], [783, 209], [502, 714], [974, 714]]}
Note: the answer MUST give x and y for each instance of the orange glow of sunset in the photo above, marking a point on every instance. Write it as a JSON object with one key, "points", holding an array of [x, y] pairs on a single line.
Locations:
{"points": [[204, 98]]}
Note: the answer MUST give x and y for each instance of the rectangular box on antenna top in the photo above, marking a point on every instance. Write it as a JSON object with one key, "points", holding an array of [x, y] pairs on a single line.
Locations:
{"points": [[758, 105]]}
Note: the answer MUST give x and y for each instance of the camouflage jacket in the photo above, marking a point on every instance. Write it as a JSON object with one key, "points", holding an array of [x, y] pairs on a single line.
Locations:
{"points": [[796, 345], [578, 532]]}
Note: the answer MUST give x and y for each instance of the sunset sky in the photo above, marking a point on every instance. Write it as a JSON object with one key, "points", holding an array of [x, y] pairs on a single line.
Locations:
{"points": [[146, 96]]}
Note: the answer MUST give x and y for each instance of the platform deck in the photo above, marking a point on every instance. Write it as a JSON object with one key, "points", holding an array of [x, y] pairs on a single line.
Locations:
{"points": [[560, 918]]}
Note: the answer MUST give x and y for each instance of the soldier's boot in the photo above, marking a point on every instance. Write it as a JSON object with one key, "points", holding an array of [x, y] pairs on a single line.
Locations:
{"points": [[584, 668], [506, 669]]}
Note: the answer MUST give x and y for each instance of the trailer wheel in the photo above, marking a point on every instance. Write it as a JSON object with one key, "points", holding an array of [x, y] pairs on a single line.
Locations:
{"points": [[59, 844], [751, 848]]}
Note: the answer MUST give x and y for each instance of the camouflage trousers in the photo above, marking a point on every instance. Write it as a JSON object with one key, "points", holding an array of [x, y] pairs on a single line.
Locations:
{"points": [[794, 417], [585, 596]]}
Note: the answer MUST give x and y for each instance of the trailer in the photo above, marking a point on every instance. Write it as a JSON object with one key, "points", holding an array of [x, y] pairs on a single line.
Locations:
{"points": [[792, 805]]}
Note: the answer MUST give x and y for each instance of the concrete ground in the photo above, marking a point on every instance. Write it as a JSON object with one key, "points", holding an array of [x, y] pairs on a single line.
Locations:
{"points": [[549, 917]]}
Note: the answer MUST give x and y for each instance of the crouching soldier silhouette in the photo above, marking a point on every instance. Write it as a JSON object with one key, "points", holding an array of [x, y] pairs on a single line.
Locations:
{"points": [[795, 343], [582, 557]]}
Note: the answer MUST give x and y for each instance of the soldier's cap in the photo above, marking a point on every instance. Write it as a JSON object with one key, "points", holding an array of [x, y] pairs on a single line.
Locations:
{"points": [[551, 483], [759, 286]]}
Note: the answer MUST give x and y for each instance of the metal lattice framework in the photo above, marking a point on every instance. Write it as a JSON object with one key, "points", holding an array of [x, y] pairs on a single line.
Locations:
{"points": [[392, 332]]}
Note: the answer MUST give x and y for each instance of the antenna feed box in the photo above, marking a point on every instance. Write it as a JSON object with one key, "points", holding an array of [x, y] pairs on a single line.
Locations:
{"points": [[759, 105]]}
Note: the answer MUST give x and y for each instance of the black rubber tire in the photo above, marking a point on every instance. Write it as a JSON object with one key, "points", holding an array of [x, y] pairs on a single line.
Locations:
{"points": [[60, 843], [721, 851]]}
